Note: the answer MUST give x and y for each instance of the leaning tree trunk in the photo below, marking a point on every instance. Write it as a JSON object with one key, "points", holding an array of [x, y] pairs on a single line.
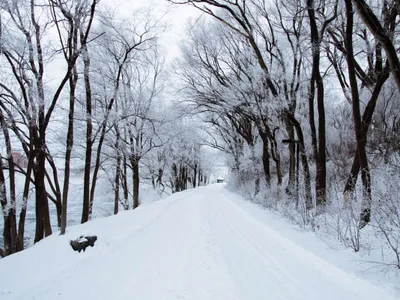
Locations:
{"points": [[366, 121], [55, 189], [87, 211], [25, 195], [381, 35]]}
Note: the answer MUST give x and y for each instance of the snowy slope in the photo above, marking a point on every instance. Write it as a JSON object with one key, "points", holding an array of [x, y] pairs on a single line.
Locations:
{"points": [[198, 244]]}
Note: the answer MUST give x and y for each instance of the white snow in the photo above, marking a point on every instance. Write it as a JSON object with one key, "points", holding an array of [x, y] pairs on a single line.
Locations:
{"points": [[198, 244]]}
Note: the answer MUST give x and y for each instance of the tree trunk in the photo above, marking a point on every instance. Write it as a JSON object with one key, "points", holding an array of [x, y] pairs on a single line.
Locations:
{"points": [[303, 157], [174, 179], [159, 181], [55, 188], [9, 230], [360, 136], [7, 239], [292, 166], [89, 138], [320, 182], [276, 157], [59, 210], [22, 215], [98, 159], [125, 183], [136, 181], [265, 160], [195, 175], [153, 181], [311, 112], [366, 121], [199, 177], [69, 54], [320, 186], [10, 209], [43, 226], [182, 177], [68, 151], [117, 174]]}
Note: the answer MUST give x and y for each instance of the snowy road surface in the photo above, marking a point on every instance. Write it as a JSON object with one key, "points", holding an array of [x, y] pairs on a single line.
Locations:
{"points": [[196, 244]]}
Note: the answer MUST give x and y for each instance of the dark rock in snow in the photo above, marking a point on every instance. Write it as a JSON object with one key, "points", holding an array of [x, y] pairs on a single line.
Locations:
{"points": [[83, 242]]}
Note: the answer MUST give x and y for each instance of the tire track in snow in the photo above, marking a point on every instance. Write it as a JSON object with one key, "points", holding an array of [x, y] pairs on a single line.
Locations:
{"points": [[276, 272], [252, 272], [295, 274]]}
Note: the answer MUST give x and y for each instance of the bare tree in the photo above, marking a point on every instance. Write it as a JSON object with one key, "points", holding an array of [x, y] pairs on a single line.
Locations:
{"points": [[118, 47], [141, 85], [316, 80], [29, 69], [360, 137], [79, 18], [239, 17], [372, 79], [382, 33]]}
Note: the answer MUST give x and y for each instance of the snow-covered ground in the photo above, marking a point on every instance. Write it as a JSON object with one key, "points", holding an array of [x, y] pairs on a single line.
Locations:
{"points": [[205, 243], [103, 205]]}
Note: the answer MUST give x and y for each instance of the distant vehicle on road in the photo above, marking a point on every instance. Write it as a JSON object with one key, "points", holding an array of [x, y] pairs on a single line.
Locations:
{"points": [[220, 180]]}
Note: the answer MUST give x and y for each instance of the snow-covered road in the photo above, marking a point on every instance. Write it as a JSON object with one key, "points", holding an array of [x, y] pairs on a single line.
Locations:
{"points": [[196, 244]]}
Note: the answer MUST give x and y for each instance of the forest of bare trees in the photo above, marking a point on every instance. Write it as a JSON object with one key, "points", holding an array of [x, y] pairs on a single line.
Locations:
{"points": [[303, 95], [300, 97], [82, 93]]}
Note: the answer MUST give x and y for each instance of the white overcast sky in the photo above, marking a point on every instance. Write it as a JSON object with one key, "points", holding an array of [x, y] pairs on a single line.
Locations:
{"points": [[177, 16]]}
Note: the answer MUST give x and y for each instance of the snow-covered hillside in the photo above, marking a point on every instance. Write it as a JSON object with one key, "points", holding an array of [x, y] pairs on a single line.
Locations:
{"points": [[204, 243]]}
